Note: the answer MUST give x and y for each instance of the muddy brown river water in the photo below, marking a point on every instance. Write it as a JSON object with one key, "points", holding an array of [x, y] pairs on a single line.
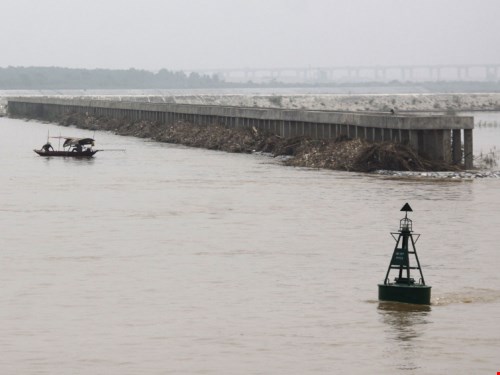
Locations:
{"points": [[170, 260]]}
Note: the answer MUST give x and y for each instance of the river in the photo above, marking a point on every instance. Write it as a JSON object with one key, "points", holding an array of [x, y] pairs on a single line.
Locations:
{"points": [[169, 260]]}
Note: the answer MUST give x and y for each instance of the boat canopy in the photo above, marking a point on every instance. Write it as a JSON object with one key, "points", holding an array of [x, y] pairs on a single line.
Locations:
{"points": [[78, 141], [71, 141]]}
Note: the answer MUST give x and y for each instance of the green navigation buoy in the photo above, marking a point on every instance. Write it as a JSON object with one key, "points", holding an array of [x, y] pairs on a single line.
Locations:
{"points": [[404, 288]]}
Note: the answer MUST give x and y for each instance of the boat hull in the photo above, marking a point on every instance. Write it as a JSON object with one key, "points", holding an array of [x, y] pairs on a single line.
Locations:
{"points": [[69, 154], [417, 294]]}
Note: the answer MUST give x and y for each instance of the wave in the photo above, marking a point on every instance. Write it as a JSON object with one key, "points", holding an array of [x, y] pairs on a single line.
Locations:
{"points": [[470, 295]]}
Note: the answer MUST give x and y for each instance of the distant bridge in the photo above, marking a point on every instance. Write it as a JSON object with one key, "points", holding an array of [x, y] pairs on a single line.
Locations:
{"points": [[366, 73]]}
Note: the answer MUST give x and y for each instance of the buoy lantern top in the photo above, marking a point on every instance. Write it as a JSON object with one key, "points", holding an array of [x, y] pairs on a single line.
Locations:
{"points": [[407, 208]]}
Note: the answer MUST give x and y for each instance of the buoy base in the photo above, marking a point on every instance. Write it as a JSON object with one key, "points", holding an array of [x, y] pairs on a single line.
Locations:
{"points": [[415, 293]]}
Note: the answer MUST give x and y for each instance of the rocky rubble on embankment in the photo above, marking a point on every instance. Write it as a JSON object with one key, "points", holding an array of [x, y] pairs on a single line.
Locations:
{"points": [[442, 175], [341, 154]]}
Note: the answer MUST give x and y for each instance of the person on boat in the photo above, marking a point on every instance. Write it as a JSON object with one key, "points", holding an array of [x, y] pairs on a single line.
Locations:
{"points": [[78, 148], [47, 147]]}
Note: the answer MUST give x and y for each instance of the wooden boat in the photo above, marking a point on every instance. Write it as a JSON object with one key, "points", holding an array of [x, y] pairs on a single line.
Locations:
{"points": [[72, 148], [70, 154]]}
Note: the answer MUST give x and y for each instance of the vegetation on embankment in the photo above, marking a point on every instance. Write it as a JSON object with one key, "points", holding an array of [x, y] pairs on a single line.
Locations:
{"points": [[340, 154]]}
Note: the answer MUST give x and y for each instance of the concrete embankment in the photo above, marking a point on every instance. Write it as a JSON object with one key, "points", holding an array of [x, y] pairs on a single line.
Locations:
{"points": [[339, 154], [437, 138]]}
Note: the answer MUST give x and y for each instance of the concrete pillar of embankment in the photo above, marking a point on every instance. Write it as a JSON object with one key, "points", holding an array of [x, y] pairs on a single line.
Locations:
{"points": [[350, 131], [404, 136], [370, 134], [387, 134], [319, 131], [437, 144], [456, 146], [281, 129], [447, 155], [396, 135], [344, 130], [468, 152], [361, 133], [288, 128], [306, 129], [322, 131]]}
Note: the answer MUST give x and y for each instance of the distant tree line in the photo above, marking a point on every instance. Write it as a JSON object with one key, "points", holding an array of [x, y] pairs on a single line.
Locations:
{"points": [[55, 78], [26, 78]]}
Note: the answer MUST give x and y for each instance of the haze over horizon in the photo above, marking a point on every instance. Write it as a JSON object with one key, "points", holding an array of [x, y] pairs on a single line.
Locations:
{"points": [[196, 34]]}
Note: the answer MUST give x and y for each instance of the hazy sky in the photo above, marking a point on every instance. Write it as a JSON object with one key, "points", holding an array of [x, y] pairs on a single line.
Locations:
{"points": [[185, 34]]}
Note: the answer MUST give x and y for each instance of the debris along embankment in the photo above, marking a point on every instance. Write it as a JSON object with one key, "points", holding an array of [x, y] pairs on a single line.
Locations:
{"points": [[340, 154]]}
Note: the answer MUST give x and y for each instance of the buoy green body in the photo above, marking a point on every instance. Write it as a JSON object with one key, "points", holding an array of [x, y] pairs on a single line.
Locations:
{"points": [[404, 288]]}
